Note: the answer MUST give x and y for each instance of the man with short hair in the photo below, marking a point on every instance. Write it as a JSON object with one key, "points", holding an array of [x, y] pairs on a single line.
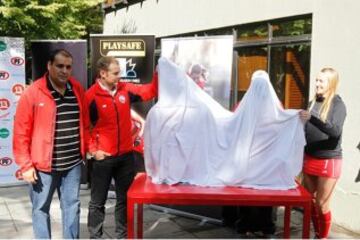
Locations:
{"points": [[49, 144], [111, 143]]}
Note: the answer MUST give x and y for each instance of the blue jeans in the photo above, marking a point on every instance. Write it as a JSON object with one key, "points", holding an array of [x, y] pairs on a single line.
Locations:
{"points": [[67, 184]]}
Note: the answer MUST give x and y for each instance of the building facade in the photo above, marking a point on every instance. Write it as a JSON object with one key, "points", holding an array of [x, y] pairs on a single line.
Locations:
{"points": [[290, 39]]}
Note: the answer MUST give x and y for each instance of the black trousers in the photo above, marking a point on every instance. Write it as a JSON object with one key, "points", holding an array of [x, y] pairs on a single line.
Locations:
{"points": [[121, 169]]}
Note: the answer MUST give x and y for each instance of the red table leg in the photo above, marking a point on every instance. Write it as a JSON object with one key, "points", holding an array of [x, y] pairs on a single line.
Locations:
{"points": [[287, 222], [139, 221], [306, 221], [130, 219]]}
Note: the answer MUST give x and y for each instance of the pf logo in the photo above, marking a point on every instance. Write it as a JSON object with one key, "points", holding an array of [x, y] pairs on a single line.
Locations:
{"points": [[18, 175], [4, 75], [17, 61], [4, 104], [18, 89], [5, 161]]}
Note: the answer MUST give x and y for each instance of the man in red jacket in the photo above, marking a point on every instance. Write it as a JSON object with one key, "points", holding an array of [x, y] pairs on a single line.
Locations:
{"points": [[111, 142], [49, 145]]}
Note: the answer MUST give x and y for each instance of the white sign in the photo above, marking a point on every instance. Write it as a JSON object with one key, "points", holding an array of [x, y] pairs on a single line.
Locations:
{"points": [[12, 84]]}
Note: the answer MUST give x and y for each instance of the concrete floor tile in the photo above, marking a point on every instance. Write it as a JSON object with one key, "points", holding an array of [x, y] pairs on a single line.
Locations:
{"points": [[163, 225], [169, 235], [202, 229], [153, 215], [296, 218], [6, 222], [14, 193], [10, 233], [23, 224], [214, 232], [3, 209], [187, 222], [19, 208]]}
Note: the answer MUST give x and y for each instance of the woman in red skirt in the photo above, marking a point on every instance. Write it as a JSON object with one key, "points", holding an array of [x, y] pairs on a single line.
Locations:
{"points": [[323, 154]]}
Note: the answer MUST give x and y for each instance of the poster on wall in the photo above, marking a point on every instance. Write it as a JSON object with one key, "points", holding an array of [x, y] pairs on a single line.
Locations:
{"points": [[12, 84], [207, 60], [40, 50]]}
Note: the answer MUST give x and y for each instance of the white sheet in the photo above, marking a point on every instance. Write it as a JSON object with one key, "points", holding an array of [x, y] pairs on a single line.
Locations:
{"points": [[190, 138]]}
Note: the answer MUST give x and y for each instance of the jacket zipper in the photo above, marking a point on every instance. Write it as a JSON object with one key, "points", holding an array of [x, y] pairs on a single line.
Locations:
{"points": [[52, 138], [118, 127], [97, 140], [53, 128]]}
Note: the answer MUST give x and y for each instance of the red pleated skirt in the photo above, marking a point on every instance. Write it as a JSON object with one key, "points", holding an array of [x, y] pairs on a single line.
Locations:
{"points": [[330, 168]]}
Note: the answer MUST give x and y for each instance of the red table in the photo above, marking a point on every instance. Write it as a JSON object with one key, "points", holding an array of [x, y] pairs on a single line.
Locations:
{"points": [[143, 191]]}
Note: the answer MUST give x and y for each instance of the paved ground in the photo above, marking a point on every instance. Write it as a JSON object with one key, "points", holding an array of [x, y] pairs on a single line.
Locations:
{"points": [[15, 220]]}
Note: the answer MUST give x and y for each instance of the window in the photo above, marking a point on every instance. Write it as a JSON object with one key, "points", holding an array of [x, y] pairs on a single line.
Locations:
{"points": [[251, 32], [289, 73], [282, 48], [249, 59], [294, 27]]}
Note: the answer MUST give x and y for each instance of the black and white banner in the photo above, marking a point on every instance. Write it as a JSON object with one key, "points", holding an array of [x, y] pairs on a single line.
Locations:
{"points": [[135, 54]]}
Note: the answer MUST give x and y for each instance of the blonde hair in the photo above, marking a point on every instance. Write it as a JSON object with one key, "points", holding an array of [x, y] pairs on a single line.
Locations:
{"points": [[333, 79]]}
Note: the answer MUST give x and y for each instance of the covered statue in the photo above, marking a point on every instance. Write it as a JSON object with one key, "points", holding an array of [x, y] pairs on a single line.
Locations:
{"points": [[190, 138]]}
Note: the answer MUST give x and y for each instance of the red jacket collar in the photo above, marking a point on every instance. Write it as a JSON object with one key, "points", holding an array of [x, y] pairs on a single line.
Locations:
{"points": [[41, 83], [100, 90]]}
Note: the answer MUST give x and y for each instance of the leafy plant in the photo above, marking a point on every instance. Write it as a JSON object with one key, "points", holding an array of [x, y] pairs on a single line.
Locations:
{"points": [[50, 19]]}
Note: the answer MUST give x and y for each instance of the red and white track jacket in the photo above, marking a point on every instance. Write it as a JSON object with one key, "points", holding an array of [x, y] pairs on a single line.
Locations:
{"points": [[34, 125], [110, 115]]}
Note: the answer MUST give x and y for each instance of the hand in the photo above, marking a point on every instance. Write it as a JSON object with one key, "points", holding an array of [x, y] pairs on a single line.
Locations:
{"points": [[100, 155], [30, 176], [138, 121], [304, 115], [141, 125], [141, 132]]}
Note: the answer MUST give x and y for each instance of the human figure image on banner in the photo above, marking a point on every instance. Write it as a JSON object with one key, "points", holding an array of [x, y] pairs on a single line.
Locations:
{"points": [[207, 60], [191, 138]]}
